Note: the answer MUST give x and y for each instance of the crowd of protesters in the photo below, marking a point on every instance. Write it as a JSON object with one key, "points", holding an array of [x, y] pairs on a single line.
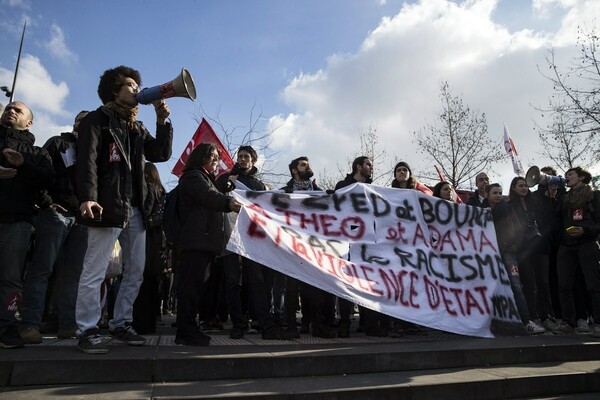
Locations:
{"points": [[82, 244]]}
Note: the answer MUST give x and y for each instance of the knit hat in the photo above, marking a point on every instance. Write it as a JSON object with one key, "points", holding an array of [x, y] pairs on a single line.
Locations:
{"points": [[402, 164]]}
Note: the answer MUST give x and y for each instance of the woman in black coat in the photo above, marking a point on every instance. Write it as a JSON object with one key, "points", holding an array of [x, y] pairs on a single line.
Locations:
{"points": [[200, 206]]}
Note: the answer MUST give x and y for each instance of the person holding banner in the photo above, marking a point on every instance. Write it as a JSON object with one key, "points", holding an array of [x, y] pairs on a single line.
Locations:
{"points": [[579, 223], [362, 169], [509, 240], [318, 306], [444, 190], [526, 209], [260, 278], [200, 206]]}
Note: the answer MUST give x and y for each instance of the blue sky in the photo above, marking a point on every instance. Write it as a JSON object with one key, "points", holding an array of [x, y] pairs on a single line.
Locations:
{"points": [[319, 72]]}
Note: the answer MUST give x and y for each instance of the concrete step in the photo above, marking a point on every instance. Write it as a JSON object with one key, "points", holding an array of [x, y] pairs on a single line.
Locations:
{"points": [[579, 380], [162, 361]]}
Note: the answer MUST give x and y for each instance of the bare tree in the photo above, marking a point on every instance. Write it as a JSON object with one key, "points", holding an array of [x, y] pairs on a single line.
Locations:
{"points": [[564, 144], [369, 147], [459, 143], [575, 105], [254, 134]]}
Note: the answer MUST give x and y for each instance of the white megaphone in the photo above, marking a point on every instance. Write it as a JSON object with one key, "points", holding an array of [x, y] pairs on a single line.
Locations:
{"points": [[181, 86], [536, 177]]}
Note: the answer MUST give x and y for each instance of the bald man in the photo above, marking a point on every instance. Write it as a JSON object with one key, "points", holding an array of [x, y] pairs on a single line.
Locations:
{"points": [[24, 170]]}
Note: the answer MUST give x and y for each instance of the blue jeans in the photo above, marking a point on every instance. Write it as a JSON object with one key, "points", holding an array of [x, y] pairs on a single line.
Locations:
{"points": [[14, 243], [100, 243], [51, 230]]}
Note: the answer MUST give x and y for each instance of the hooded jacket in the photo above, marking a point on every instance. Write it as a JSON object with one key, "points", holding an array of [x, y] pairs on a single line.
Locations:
{"points": [[18, 194], [110, 164]]}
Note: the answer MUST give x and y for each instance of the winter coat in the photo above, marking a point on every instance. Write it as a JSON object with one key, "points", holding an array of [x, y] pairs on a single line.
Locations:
{"points": [[62, 191], [18, 194], [201, 206], [110, 164]]}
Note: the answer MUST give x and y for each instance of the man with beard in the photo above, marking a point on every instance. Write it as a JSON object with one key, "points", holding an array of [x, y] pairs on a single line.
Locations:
{"points": [[362, 169], [260, 278], [318, 306], [112, 147], [24, 170]]}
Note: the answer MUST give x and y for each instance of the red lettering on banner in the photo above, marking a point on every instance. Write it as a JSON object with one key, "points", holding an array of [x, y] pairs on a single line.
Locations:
{"points": [[447, 239], [470, 238], [419, 235], [256, 221], [485, 242], [325, 221], [395, 285], [413, 293], [366, 270], [472, 303], [351, 227], [447, 302], [397, 234], [464, 298]]}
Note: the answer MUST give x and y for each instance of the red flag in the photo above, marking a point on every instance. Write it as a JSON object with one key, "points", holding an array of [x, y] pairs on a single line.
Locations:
{"points": [[206, 134]]}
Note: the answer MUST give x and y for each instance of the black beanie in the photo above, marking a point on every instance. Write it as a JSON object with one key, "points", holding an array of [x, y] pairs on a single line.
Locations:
{"points": [[402, 164]]}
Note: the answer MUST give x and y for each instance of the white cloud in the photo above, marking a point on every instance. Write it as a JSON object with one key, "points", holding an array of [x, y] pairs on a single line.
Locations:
{"points": [[392, 81], [58, 47], [35, 87]]}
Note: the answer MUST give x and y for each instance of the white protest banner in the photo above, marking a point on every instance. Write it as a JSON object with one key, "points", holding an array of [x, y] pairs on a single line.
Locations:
{"points": [[399, 252]]}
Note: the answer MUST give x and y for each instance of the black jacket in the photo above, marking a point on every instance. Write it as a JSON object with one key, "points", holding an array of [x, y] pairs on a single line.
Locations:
{"points": [[110, 164], [474, 200], [349, 180], [18, 194], [201, 206], [590, 221], [248, 178], [61, 191]]}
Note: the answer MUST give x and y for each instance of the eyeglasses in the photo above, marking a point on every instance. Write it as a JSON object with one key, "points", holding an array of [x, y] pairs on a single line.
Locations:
{"points": [[134, 86]]}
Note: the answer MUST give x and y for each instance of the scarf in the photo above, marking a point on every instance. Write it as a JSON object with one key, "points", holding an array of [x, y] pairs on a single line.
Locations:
{"points": [[129, 115], [577, 198], [303, 185]]}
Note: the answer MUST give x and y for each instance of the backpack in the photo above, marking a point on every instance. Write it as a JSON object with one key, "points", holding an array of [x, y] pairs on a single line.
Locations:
{"points": [[171, 222]]}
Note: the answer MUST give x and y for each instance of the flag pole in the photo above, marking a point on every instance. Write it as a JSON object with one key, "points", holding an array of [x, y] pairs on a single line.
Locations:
{"points": [[12, 92]]}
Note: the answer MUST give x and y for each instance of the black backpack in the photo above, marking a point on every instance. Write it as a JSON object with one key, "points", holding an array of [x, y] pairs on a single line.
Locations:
{"points": [[171, 222]]}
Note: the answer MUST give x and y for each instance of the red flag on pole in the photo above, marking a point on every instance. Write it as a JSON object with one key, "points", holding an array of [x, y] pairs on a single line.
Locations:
{"points": [[206, 134]]}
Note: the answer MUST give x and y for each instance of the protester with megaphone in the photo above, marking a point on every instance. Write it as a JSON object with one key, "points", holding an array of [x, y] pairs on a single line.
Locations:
{"points": [[111, 149]]}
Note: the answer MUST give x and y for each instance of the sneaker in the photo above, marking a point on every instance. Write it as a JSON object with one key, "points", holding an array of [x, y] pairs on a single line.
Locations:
{"points": [[236, 333], [30, 334], [550, 325], [128, 335], [291, 332], [583, 328], [11, 339], [192, 339], [91, 342], [534, 329], [564, 328]]}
